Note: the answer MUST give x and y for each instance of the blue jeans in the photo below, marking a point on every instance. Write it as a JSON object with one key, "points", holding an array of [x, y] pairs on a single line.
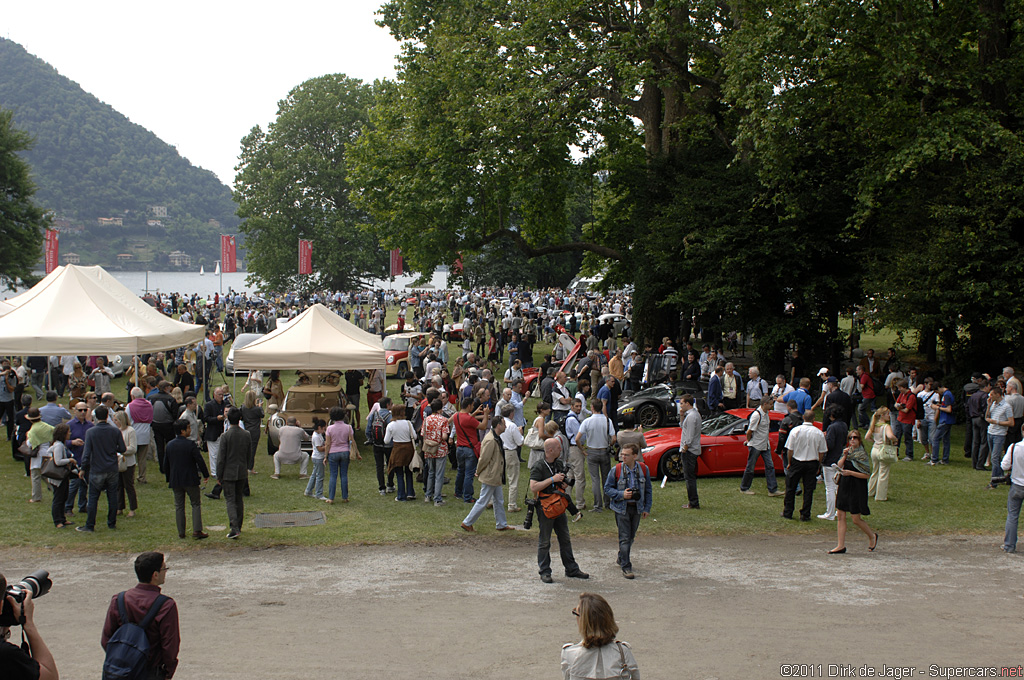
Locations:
{"points": [[316, 480], [464, 477], [339, 466], [627, 523], [435, 477], [940, 435], [403, 477], [78, 487], [904, 430], [995, 449], [98, 482], [1013, 502], [488, 494], [769, 469]]}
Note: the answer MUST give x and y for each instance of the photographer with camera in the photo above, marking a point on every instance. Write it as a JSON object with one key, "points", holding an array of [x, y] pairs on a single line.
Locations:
{"points": [[32, 660], [547, 481]]}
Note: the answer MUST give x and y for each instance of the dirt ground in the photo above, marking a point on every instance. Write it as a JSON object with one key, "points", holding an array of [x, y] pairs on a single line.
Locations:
{"points": [[699, 608]]}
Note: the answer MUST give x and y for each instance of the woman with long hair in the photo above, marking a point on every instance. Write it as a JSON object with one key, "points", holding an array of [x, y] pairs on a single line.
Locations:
{"points": [[852, 496], [598, 654], [883, 453], [252, 417], [59, 453], [537, 451], [131, 446]]}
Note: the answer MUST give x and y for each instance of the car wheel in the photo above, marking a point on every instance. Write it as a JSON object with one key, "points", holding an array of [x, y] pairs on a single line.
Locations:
{"points": [[672, 465], [403, 370], [648, 415]]}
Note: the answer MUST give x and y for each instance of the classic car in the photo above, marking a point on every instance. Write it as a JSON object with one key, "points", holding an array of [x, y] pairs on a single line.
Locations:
{"points": [[396, 353], [723, 449], [314, 394], [656, 406]]}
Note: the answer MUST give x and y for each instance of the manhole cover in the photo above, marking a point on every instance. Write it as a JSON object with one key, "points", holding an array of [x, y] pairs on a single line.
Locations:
{"points": [[272, 520]]}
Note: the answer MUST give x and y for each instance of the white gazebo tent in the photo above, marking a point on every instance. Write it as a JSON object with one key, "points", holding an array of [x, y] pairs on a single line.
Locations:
{"points": [[317, 339], [84, 310]]}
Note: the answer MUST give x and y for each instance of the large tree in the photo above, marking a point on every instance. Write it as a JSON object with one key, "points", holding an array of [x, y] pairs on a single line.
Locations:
{"points": [[21, 221], [292, 184]]}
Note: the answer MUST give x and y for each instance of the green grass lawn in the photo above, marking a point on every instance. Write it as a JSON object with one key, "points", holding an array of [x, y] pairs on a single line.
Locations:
{"points": [[922, 500]]}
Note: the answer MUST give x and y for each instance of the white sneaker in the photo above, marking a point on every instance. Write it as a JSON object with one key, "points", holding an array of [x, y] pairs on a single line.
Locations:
{"points": [[827, 517]]}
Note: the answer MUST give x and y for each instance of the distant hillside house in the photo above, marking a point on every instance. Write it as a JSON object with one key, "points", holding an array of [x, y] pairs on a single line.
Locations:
{"points": [[154, 223], [179, 259], [124, 257], [111, 221], [71, 258], [159, 210], [213, 223]]}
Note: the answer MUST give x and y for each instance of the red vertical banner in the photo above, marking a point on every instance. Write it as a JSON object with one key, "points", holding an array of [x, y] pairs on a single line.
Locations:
{"points": [[458, 264], [227, 254], [305, 257], [396, 262], [51, 250]]}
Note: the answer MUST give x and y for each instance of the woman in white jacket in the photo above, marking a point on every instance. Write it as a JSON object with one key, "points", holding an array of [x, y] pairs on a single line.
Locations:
{"points": [[598, 656]]}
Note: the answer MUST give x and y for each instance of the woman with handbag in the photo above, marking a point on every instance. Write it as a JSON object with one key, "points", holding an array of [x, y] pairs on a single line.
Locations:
{"points": [[435, 451], [127, 469], [274, 390], [852, 496], [57, 472], [598, 655], [883, 453]]}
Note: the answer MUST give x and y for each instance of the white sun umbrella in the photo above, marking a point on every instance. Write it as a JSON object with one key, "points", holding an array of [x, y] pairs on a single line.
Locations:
{"points": [[78, 310]]}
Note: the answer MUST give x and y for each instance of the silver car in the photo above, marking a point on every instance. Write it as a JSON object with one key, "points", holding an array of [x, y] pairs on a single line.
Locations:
{"points": [[241, 340]]}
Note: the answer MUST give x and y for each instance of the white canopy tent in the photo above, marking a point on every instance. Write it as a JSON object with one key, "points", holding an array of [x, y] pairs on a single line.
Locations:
{"points": [[317, 339], [84, 310]]}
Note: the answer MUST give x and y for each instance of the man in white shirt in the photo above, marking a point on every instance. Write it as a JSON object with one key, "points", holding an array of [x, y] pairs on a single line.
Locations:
{"points": [[289, 449], [561, 400], [1013, 463], [595, 437], [781, 389], [805, 449], [511, 441]]}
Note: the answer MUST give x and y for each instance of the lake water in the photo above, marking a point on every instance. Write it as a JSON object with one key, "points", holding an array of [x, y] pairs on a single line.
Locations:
{"points": [[208, 284]]}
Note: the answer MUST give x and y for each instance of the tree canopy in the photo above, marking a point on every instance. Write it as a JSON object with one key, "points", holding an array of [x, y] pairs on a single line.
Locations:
{"points": [[292, 184], [21, 220]]}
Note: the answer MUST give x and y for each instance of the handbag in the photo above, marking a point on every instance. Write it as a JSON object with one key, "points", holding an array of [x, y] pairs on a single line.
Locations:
{"points": [[51, 470], [430, 447], [25, 449], [554, 504], [624, 671], [122, 463], [889, 454], [533, 440]]}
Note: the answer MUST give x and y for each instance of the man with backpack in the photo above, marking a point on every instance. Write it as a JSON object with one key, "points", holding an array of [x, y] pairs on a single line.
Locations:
{"points": [[629, 487], [140, 634]]}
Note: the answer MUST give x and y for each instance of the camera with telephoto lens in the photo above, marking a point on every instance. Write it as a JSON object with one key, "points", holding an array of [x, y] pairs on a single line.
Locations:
{"points": [[38, 583], [531, 506], [996, 481]]}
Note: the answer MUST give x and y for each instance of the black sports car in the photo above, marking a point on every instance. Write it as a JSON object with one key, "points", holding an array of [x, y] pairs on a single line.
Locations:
{"points": [[655, 406]]}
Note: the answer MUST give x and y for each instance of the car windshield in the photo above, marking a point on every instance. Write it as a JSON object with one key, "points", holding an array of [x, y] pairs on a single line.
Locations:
{"points": [[717, 423], [244, 339], [310, 401], [394, 344]]}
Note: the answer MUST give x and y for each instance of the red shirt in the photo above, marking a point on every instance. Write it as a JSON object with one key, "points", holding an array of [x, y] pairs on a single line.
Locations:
{"points": [[466, 432], [907, 415], [164, 638], [867, 388]]}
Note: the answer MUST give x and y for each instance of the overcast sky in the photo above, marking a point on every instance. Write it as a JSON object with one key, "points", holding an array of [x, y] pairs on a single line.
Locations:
{"points": [[201, 74]]}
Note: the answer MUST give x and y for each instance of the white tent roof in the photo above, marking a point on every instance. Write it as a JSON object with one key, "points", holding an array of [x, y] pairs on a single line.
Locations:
{"points": [[84, 310], [317, 339]]}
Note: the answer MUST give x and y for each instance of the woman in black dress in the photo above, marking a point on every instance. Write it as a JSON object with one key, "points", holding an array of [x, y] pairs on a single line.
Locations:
{"points": [[852, 496]]}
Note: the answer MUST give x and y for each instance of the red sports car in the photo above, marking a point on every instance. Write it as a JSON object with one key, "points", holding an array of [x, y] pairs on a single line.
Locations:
{"points": [[723, 448]]}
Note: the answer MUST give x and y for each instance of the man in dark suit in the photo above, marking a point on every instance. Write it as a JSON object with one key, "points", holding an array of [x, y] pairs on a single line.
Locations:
{"points": [[233, 469], [184, 464]]}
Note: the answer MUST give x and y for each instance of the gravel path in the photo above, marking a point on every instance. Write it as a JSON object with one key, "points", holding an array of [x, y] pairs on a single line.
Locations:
{"points": [[699, 608]]}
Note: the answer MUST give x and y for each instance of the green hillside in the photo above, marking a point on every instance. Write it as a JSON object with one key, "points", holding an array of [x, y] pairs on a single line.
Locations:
{"points": [[94, 167]]}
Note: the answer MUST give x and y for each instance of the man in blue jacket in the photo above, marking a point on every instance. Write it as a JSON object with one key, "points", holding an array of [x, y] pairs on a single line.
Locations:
{"points": [[629, 487]]}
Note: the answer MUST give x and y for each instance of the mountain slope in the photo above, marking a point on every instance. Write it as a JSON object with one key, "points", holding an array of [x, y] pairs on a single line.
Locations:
{"points": [[91, 162]]}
